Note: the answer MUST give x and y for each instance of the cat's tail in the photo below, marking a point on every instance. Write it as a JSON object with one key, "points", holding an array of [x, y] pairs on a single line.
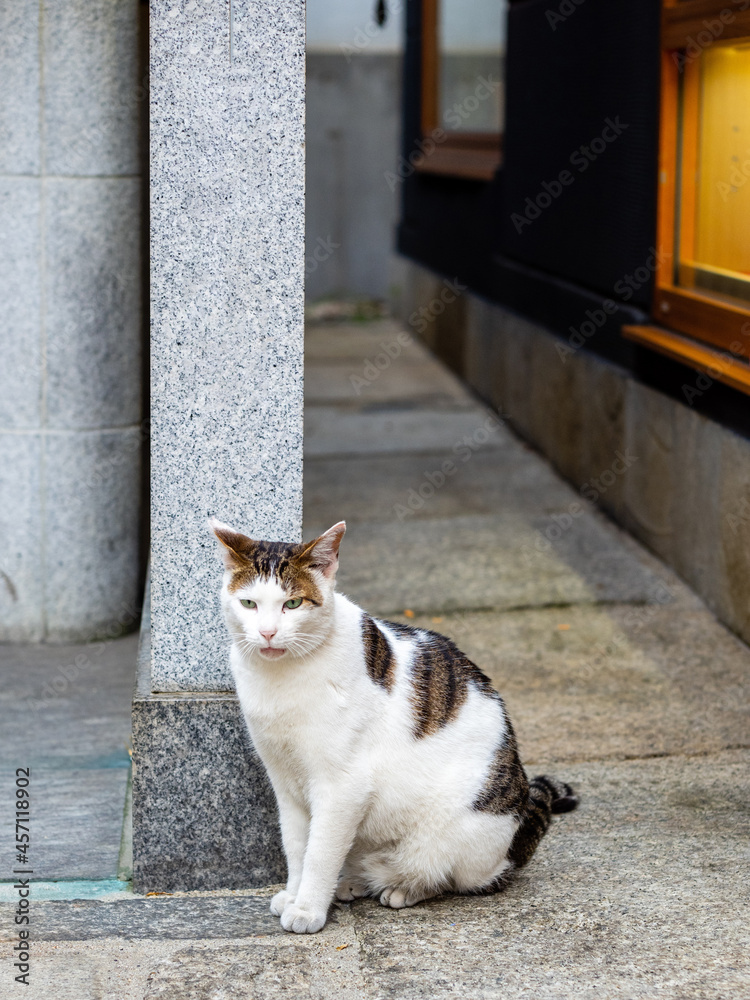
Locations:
{"points": [[546, 796]]}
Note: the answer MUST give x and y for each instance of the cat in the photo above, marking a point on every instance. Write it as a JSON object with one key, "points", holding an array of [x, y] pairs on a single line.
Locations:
{"points": [[393, 761]]}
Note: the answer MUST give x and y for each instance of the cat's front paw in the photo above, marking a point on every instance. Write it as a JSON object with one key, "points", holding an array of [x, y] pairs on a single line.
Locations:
{"points": [[280, 902], [301, 921]]}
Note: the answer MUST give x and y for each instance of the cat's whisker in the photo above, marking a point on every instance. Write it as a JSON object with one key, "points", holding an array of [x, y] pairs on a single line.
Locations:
{"points": [[302, 640], [303, 645], [245, 644]]}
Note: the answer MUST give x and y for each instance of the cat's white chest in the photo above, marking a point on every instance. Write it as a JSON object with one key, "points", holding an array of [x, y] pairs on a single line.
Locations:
{"points": [[295, 698], [306, 726]]}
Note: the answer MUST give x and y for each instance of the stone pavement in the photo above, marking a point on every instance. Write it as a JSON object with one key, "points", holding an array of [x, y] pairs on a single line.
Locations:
{"points": [[65, 714], [617, 677]]}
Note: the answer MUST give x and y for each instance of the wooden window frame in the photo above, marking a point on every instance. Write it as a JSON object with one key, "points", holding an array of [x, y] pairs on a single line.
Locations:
{"points": [[721, 329], [473, 155]]}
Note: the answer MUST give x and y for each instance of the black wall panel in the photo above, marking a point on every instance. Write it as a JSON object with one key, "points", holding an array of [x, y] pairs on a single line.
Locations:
{"points": [[590, 77], [563, 82]]}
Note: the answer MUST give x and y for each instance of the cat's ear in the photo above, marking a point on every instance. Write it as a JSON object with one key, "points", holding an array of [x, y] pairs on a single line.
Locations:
{"points": [[236, 546], [323, 553]]}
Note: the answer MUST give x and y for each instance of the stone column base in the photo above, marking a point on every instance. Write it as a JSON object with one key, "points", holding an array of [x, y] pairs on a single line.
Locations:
{"points": [[204, 813]]}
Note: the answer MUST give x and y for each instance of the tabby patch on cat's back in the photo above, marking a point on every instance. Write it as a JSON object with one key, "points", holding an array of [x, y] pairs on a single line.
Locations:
{"points": [[392, 758]]}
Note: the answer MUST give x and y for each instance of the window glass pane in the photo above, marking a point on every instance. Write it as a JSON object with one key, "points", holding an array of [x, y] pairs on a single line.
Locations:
{"points": [[714, 201], [471, 57]]}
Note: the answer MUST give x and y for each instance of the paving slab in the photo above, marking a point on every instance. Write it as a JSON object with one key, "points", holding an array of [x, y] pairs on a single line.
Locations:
{"points": [[594, 682], [450, 564], [220, 969], [377, 361], [457, 432], [76, 825], [337, 342], [353, 381], [164, 917], [65, 714], [373, 488], [75, 697]]}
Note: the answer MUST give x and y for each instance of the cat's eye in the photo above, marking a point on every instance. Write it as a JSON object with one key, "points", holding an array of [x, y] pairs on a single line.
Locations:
{"points": [[293, 603], [247, 603]]}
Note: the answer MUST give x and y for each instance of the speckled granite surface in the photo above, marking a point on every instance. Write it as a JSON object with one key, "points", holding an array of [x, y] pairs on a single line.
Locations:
{"points": [[204, 815], [227, 276]]}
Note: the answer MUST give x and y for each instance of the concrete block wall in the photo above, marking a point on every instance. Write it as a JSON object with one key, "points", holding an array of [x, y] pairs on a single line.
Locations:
{"points": [[353, 139], [70, 406], [678, 481]]}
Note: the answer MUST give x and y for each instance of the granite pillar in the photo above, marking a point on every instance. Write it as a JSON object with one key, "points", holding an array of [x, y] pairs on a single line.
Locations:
{"points": [[227, 270], [70, 385]]}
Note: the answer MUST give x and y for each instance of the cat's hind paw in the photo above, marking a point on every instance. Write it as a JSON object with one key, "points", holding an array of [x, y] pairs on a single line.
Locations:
{"points": [[300, 921], [280, 902], [349, 889], [397, 899]]}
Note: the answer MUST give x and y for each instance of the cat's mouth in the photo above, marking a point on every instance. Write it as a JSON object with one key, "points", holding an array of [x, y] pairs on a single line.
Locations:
{"points": [[271, 652]]}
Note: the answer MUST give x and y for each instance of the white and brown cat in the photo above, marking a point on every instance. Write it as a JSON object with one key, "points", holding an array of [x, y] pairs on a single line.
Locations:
{"points": [[393, 761]]}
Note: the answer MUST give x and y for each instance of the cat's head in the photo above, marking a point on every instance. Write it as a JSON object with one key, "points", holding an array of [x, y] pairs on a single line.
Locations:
{"points": [[278, 596]]}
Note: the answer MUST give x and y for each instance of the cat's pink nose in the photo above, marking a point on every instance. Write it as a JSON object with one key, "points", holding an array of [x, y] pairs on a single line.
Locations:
{"points": [[268, 634]]}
